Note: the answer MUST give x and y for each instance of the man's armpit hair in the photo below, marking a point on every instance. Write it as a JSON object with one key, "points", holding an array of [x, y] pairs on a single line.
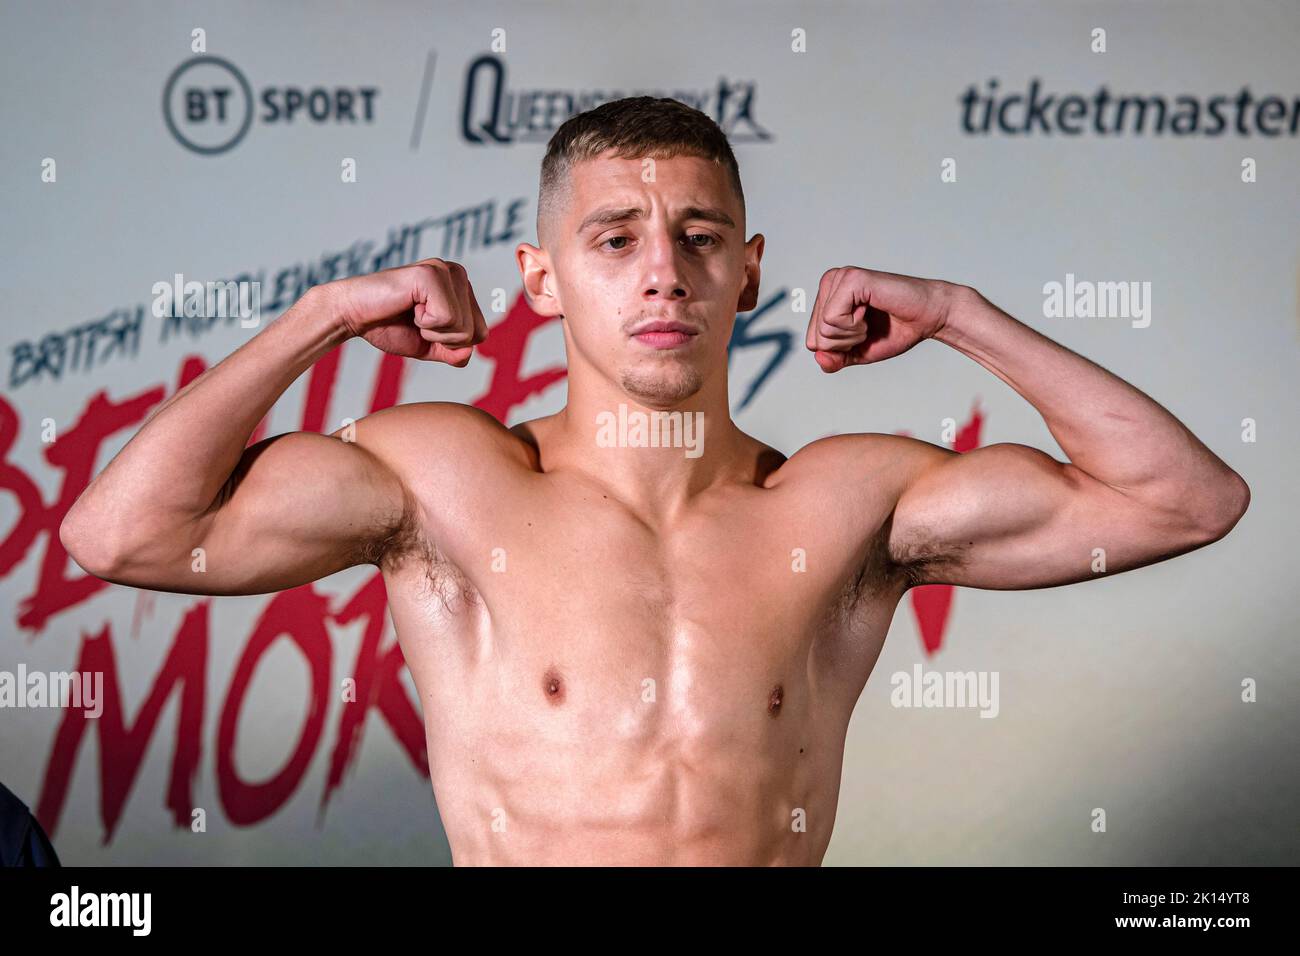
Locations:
{"points": [[404, 539], [399, 536], [868, 579], [916, 561]]}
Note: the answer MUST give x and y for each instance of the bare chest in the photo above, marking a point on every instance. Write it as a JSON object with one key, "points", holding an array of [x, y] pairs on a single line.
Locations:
{"points": [[567, 614]]}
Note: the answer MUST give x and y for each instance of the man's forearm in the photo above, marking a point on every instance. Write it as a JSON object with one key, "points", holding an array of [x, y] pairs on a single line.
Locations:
{"points": [[175, 466], [1107, 428]]}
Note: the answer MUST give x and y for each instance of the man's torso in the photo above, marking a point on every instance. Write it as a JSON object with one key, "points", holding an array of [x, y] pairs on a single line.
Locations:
{"points": [[600, 690]]}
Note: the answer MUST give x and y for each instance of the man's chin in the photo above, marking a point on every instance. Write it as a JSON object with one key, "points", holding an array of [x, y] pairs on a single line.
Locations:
{"points": [[661, 389]]}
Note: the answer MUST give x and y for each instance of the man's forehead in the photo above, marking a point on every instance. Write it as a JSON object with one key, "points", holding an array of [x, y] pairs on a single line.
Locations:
{"points": [[616, 211], [608, 189]]}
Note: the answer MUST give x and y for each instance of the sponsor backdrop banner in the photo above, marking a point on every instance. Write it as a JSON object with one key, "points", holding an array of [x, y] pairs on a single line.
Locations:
{"points": [[1120, 177]]}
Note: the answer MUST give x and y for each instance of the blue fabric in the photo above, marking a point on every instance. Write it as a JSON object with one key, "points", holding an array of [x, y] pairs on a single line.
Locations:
{"points": [[22, 841]]}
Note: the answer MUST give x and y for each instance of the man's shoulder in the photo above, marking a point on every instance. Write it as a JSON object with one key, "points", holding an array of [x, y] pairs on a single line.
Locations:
{"points": [[857, 471], [844, 458], [454, 413], [421, 434]]}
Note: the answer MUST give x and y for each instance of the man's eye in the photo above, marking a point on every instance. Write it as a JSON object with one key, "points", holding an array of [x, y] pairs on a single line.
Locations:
{"points": [[691, 240]]}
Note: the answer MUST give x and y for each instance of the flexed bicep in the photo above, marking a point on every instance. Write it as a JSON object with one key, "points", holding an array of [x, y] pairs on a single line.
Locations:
{"points": [[1011, 517], [298, 507]]}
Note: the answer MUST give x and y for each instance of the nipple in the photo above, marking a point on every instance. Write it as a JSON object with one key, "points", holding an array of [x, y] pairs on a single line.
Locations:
{"points": [[553, 686], [774, 701]]}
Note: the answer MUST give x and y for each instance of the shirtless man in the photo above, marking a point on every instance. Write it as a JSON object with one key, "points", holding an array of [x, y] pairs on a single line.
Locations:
{"points": [[640, 655]]}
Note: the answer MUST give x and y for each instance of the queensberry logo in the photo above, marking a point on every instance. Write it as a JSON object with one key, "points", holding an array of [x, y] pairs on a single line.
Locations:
{"points": [[492, 113], [209, 105]]}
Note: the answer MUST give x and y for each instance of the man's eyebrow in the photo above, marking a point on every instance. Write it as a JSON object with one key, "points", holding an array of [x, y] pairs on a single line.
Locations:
{"points": [[708, 214], [613, 214]]}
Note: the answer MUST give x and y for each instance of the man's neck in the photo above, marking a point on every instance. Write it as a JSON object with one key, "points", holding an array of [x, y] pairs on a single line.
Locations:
{"points": [[655, 458]]}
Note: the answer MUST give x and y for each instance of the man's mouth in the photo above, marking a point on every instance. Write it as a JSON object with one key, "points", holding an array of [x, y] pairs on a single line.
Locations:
{"points": [[664, 333]]}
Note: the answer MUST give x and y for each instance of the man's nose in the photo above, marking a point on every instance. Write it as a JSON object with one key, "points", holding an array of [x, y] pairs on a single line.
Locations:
{"points": [[664, 276]]}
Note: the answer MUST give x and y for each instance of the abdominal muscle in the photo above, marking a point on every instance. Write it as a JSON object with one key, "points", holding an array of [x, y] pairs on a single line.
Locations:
{"points": [[621, 738]]}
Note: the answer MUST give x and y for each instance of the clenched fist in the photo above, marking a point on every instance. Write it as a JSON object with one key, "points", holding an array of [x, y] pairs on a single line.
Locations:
{"points": [[862, 316], [425, 310]]}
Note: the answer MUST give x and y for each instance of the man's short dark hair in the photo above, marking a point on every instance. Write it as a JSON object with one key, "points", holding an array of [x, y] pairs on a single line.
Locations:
{"points": [[634, 128]]}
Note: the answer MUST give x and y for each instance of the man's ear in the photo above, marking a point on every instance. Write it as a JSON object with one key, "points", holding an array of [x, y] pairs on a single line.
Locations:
{"points": [[749, 292], [539, 280]]}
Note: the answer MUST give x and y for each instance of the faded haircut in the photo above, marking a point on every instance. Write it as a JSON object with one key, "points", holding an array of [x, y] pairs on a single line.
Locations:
{"points": [[634, 127]]}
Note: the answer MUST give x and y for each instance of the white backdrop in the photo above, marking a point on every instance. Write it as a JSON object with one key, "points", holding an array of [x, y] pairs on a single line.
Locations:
{"points": [[1123, 693]]}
